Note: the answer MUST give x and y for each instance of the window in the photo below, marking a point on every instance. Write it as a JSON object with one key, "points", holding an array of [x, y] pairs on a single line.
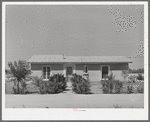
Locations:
{"points": [[46, 72], [85, 68]]}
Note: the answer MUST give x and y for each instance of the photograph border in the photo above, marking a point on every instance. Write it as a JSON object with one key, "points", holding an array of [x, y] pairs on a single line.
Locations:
{"points": [[70, 114]]}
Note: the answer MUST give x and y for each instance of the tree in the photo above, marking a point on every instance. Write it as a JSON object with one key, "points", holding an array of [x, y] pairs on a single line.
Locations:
{"points": [[19, 70], [124, 74]]}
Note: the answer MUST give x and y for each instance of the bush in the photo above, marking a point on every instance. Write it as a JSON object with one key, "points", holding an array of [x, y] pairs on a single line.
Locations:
{"points": [[130, 89], [80, 85], [135, 85], [140, 77], [111, 86], [135, 88], [140, 90], [43, 87], [56, 84]]}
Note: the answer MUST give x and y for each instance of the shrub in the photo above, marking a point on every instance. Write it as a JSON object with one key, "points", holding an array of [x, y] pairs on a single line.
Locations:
{"points": [[56, 84], [140, 77], [80, 85], [130, 89], [135, 88], [43, 88], [60, 80], [140, 90], [132, 79], [37, 80], [111, 86]]}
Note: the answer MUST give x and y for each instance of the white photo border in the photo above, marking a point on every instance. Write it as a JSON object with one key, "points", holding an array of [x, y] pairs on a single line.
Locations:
{"points": [[69, 114]]}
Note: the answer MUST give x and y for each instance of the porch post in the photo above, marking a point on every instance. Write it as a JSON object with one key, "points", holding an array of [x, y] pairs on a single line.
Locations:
{"points": [[64, 70], [74, 68]]}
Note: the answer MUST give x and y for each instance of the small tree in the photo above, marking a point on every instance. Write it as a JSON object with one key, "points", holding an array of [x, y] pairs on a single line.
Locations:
{"points": [[124, 74], [19, 70]]}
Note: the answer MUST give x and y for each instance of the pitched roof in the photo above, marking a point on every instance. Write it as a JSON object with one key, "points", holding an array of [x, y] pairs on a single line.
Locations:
{"points": [[78, 59]]}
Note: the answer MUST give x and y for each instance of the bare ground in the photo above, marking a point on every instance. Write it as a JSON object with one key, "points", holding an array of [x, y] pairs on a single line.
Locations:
{"points": [[67, 99], [71, 100]]}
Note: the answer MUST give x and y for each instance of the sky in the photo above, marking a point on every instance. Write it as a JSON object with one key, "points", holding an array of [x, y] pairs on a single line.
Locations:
{"points": [[102, 30]]}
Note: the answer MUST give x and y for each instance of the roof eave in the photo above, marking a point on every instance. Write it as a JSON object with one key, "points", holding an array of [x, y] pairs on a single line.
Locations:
{"points": [[79, 62]]}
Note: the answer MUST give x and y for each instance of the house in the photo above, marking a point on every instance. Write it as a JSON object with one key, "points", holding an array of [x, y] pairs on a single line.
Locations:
{"points": [[96, 66]]}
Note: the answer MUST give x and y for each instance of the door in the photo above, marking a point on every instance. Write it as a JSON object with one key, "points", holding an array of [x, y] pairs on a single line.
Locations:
{"points": [[69, 73], [104, 71]]}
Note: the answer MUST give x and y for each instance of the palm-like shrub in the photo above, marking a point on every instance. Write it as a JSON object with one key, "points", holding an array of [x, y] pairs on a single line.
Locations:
{"points": [[80, 85], [56, 84], [37, 80]]}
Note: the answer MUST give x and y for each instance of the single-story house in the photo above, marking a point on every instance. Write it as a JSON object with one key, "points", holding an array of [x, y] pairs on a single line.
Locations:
{"points": [[96, 66]]}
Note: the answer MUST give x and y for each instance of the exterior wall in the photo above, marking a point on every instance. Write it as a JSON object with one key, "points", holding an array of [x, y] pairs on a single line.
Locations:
{"points": [[121, 66], [56, 68], [95, 70], [117, 70], [118, 75], [36, 69]]}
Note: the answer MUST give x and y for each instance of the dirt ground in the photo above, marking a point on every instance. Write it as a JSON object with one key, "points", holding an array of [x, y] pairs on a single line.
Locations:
{"points": [[71, 100]]}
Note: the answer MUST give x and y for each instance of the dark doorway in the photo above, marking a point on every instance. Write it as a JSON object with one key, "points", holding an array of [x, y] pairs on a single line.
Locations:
{"points": [[69, 73], [104, 71]]}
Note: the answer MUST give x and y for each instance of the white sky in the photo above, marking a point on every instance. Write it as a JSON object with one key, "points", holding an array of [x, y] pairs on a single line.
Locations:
{"points": [[73, 30]]}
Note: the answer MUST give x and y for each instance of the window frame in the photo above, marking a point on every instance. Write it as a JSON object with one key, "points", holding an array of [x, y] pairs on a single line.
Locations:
{"points": [[108, 70], [46, 70]]}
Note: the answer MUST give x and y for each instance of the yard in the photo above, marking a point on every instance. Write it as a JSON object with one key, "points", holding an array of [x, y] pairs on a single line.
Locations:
{"points": [[68, 99]]}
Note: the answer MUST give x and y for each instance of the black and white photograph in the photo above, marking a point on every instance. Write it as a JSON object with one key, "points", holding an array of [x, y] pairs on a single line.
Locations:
{"points": [[72, 60]]}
